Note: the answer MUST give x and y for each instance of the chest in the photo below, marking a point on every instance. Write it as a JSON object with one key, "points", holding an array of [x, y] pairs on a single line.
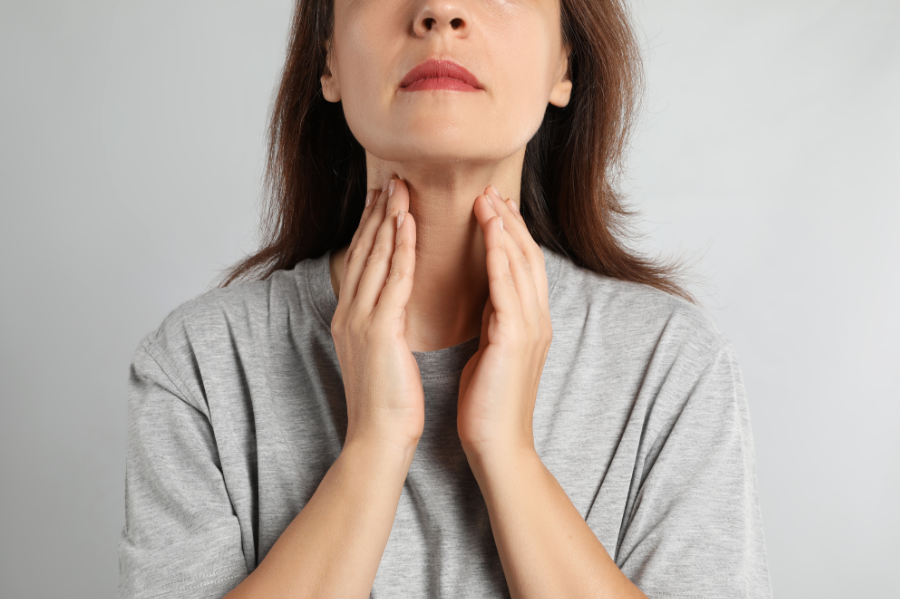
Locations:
{"points": [[279, 434]]}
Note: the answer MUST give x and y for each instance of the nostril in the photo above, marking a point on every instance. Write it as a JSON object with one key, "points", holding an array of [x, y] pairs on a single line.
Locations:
{"points": [[429, 23], [456, 23]]}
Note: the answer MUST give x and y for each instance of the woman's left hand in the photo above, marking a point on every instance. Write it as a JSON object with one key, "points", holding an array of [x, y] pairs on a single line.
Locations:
{"points": [[499, 384]]}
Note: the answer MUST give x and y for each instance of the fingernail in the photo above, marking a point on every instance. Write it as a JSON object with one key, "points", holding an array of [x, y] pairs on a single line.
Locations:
{"points": [[385, 184], [391, 188], [369, 195], [488, 198], [514, 206], [501, 223], [496, 192], [399, 219]]}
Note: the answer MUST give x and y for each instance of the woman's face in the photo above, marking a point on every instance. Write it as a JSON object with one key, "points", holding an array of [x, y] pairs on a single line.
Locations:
{"points": [[513, 48]]}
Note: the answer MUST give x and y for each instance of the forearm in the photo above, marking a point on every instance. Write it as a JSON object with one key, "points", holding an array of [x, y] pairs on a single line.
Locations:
{"points": [[545, 546], [334, 545]]}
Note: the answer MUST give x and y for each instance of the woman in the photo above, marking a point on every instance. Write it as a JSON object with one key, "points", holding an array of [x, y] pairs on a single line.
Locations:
{"points": [[386, 410]]}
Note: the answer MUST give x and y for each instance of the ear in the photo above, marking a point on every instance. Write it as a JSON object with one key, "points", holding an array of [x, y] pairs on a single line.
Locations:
{"points": [[331, 90], [562, 89]]}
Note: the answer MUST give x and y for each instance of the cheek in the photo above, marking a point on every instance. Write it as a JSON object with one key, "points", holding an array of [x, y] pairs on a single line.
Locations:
{"points": [[364, 63], [361, 61], [522, 87]]}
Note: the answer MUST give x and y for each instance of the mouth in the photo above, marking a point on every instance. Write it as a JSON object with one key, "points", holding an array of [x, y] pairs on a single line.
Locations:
{"points": [[440, 74]]}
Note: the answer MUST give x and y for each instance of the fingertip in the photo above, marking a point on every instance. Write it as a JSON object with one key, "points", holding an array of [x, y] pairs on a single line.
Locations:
{"points": [[412, 227], [401, 186], [500, 234], [404, 232], [489, 211], [493, 233]]}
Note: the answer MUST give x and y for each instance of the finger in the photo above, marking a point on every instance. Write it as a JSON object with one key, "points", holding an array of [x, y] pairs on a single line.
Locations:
{"points": [[519, 266], [501, 283], [515, 224], [398, 286], [485, 324], [358, 254], [522, 274], [371, 197], [513, 207], [379, 261]]}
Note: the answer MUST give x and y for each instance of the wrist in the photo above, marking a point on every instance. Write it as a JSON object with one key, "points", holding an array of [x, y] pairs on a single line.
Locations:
{"points": [[381, 449], [493, 462]]}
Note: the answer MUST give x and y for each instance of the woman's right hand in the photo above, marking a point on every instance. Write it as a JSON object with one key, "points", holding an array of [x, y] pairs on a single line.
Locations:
{"points": [[382, 383]]}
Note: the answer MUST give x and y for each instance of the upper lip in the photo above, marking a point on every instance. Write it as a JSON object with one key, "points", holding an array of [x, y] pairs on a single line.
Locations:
{"points": [[440, 68]]}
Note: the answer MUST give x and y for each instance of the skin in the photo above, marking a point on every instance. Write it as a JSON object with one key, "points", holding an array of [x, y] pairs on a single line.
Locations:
{"points": [[446, 146], [461, 263]]}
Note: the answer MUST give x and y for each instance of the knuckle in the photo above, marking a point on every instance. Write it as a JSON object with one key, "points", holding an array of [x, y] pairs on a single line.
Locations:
{"points": [[337, 326], [525, 262], [397, 272], [393, 275], [377, 254], [534, 255], [375, 331], [356, 326]]}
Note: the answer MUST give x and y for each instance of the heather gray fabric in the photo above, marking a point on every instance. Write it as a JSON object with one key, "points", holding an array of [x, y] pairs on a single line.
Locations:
{"points": [[236, 412]]}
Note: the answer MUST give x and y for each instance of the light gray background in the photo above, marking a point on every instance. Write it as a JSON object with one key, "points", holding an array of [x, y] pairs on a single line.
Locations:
{"points": [[131, 150]]}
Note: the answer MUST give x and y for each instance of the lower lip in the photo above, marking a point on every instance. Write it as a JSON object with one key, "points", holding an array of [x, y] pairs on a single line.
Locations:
{"points": [[439, 83]]}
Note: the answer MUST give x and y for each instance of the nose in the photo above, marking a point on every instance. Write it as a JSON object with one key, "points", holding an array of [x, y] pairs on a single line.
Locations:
{"points": [[443, 15]]}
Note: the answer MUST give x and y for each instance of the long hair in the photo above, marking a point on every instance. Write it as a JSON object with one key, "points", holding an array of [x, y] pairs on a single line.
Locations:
{"points": [[316, 171]]}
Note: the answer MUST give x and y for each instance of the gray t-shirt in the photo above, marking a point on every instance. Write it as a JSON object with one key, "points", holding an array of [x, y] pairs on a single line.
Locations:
{"points": [[237, 411]]}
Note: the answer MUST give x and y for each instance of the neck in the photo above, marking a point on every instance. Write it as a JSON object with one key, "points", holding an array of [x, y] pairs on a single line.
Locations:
{"points": [[451, 283]]}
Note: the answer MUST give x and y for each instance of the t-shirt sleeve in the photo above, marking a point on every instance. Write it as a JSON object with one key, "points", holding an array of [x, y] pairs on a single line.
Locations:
{"points": [[695, 529], [181, 537]]}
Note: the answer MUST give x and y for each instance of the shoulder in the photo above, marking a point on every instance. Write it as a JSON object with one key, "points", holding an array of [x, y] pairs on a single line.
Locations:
{"points": [[214, 330], [226, 311], [654, 356], [623, 316]]}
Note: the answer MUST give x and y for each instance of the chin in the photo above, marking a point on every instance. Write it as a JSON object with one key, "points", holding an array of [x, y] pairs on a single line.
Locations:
{"points": [[437, 143], [443, 150], [449, 135]]}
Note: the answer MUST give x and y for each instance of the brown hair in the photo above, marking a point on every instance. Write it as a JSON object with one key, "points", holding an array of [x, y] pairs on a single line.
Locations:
{"points": [[316, 175]]}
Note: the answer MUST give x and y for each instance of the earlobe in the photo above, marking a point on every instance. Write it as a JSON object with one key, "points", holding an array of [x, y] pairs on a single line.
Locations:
{"points": [[331, 90], [562, 90], [561, 93]]}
